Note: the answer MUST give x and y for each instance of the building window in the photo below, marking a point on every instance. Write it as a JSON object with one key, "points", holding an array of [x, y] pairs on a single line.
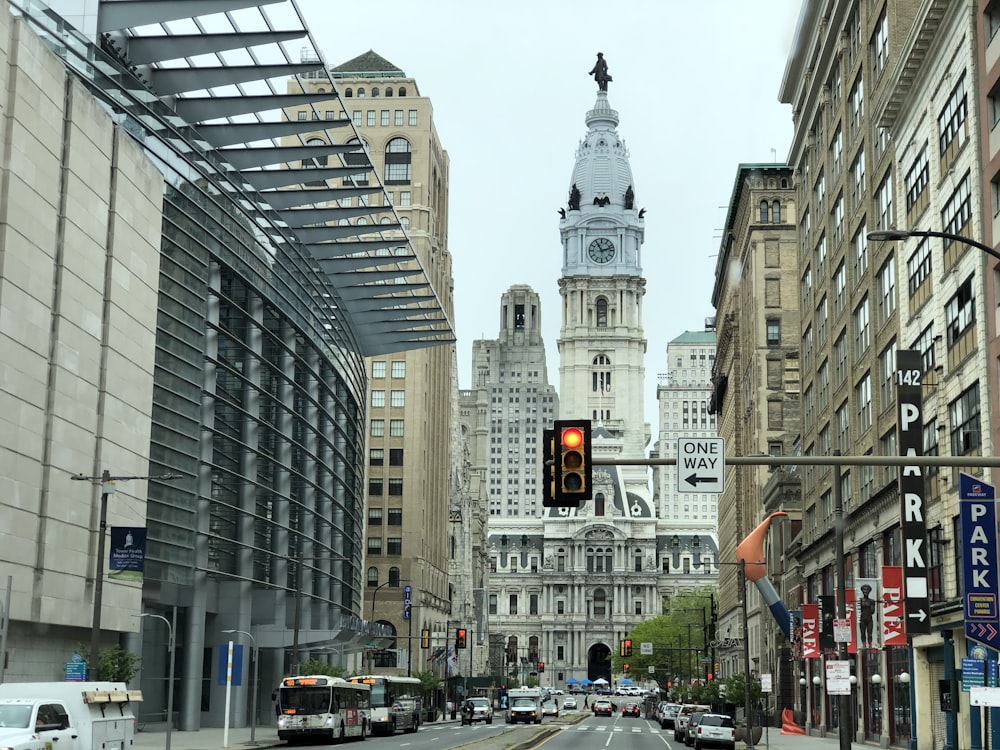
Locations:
{"points": [[398, 159], [493, 603], [395, 457], [370, 118], [840, 359], [963, 416], [397, 118], [395, 517], [843, 429], [384, 118], [397, 399], [533, 604], [378, 369], [372, 576], [560, 607], [378, 428], [412, 118], [884, 217], [395, 428], [374, 545], [880, 44], [857, 104], [858, 178], [601, 374], [935, 564], [862, 330], [860, 244], [374, 516], [887, 290], [398, 369], [376, 457], [396, 486], [863, 402], [952, 129], [378, 399], [375, 486], [394, 545], [955, 217], [763, 212], [918, 267], [839, 290], [773, 332], [602, 312], [887, 375], [512, 605], [599, 504], [917, 180], [960, 312]]}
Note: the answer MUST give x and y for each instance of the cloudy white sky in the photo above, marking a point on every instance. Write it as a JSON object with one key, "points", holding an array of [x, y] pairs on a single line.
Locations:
{"points": [[695, 85]]}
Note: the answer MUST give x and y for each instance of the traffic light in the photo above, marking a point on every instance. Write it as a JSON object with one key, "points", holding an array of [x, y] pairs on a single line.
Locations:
{"points": [[425, 638], [625, 667], [541, 666], [711, 676], [460, 638], [549, 471], [574, 478], [625, 647]]}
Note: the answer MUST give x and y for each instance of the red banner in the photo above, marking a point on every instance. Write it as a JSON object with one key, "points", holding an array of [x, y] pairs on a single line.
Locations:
{"points": [[893, 626], [810, 631]]}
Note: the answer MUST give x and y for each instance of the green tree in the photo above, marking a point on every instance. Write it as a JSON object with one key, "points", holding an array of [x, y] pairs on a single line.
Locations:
{"points": [[115, 663], [735, 690], [318, 666], [430, 683]]}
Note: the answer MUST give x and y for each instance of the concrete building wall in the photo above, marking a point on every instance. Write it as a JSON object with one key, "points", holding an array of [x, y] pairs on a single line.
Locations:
{"points": [[79, 248]]}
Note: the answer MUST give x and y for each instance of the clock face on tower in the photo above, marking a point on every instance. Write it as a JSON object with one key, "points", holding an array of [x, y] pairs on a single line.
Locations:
{"points": [[601, 250]]}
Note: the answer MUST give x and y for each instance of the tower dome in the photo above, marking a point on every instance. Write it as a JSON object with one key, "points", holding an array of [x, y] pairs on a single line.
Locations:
{"points": [[602, 173]]}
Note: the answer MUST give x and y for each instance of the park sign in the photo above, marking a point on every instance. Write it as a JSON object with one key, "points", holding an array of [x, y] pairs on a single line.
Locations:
{"points": [[910, 425], [978, 517]]}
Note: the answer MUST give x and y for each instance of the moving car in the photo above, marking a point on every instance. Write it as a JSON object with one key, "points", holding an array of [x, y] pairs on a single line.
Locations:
{"points": [[570, 704], [550, 708], [667, 713], [477, 709], [406, 714], [523, 709], [603, 707], [631, 709], [715, 730], [692, 727]]}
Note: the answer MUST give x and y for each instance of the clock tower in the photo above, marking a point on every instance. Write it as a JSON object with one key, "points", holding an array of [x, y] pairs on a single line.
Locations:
{"points": [[601, 343]]}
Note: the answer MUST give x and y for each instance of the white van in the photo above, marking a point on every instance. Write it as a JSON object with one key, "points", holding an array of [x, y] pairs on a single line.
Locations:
{"points": [[524, 704], [70, 715]]}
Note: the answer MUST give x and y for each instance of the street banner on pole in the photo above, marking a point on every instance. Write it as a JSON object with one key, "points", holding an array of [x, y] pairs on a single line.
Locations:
{"points": [[978, 516], [893, 627], [810, 631]]}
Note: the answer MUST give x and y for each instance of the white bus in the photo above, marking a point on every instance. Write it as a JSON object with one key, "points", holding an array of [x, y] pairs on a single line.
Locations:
{"points": [[386, 690], [323, 708]]}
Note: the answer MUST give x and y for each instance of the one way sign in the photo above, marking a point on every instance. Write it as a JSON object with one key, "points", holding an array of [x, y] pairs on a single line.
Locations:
{"points": [[701, 465]]}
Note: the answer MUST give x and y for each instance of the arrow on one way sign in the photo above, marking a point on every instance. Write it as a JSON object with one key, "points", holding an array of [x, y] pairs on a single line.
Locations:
{"points": [[919, 614], [694, 479]]}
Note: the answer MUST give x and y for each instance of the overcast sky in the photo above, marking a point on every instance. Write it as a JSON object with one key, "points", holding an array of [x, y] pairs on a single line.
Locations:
{"points": [[696, 88]]}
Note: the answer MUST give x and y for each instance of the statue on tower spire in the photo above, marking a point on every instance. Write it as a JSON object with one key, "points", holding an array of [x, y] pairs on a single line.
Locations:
{"points": [[600, 72]]}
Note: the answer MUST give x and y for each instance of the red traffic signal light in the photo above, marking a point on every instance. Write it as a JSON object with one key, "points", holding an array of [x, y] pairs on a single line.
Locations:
{"points": [[572, 461], [626, 647], [710, 677], [541, 666], [625, 667], [460, 638]]}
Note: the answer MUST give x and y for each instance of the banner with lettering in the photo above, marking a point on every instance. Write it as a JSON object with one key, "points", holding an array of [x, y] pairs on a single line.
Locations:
{"points": [[866, 602], [893, 625], [827, 612], [810, 631]]}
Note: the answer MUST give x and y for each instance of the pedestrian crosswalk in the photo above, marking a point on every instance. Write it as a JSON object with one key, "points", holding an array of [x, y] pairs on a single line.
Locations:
{"points": [[614, 729]]}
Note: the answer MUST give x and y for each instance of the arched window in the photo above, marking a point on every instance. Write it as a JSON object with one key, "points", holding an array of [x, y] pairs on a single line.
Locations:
{"points": [[316, 161], [398, 156], [533, 649], [388, 90], [348, 93], [512, 649], [601, 374], [453, 547], [373, 576], [361, 93], [602, 312], [394, 577], [776, 212], [375, 91], [637, 556], [404, 222], [358, 158], [763, 212], [599, 504], [402, 90], [561, 560], [600, 603]]}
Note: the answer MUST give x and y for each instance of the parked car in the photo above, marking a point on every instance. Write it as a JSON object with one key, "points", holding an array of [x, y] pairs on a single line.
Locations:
{"points": [[477, 709], [692, 727], [715, 730], [550, 708], [681, 720], [631, 709], [604, 707], [570, 704]]}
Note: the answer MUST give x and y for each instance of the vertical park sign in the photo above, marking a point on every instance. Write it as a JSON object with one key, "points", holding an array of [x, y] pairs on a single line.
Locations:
{"points": [[910, 435]]}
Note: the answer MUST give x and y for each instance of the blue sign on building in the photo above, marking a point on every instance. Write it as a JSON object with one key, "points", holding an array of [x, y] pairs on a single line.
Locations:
{"points": [[977, 511]]}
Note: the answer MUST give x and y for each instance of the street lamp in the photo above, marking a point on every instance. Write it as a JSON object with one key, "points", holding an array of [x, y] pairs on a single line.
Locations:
{"points": [[253, 699], [889, 235], [107, 488], [171, 646]]}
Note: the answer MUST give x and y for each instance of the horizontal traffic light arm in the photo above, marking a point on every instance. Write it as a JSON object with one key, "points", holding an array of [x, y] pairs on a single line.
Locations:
{"points": [[947, 461]]}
